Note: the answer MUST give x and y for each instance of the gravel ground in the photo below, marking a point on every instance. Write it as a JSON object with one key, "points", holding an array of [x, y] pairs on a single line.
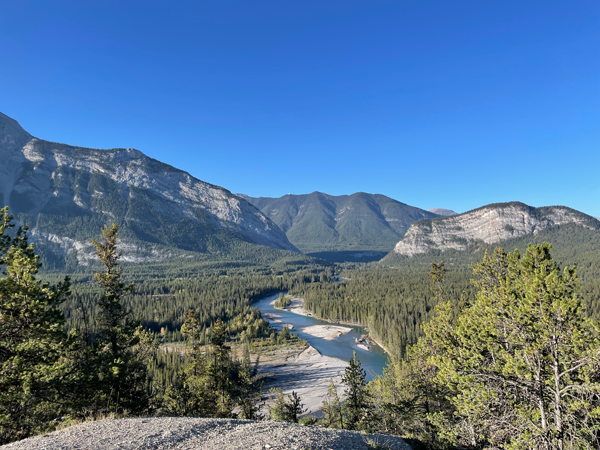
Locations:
{"points": [[205, 434]]}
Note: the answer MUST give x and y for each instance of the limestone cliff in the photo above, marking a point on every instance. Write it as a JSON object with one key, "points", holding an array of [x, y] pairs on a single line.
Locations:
{"points": [[65, 193], [489, 224]]}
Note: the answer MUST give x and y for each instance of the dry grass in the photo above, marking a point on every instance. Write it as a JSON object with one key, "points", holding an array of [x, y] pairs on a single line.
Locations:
{"points": [[69, 422]]}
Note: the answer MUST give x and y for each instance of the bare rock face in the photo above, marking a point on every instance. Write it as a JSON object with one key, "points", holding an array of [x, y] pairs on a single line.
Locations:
{"points": [[66, 193], [442, 212], [488, 224]]}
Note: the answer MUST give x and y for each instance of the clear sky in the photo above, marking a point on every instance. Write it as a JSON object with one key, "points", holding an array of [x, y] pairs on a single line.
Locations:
{"points": [[451, 104]]}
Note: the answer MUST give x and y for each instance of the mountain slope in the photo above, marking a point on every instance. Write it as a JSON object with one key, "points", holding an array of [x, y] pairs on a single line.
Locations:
{"points": [[319, 222], [66, 193], [442, 212], [488, 224]]}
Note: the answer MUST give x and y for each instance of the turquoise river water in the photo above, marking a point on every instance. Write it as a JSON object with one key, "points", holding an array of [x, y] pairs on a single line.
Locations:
{"points": [[342, 347]]}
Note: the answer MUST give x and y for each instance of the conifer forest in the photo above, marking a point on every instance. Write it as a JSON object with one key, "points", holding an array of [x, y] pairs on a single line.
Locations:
{"points": [[488, 349]]}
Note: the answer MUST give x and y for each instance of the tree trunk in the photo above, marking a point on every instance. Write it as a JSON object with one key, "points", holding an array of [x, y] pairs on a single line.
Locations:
{"points": [[557, 400]]}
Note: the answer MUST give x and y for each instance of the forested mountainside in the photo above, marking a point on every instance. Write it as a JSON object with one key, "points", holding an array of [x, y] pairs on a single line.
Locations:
{"points": [[66, 194], [393, 299], [319, 222], [486, 225]]}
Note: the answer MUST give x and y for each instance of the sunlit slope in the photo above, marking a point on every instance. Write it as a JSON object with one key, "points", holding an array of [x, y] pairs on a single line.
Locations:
{"points": [[66, 193], [319, 222]]}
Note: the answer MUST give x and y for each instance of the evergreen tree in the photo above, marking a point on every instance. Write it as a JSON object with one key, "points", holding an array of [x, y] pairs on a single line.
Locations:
{"points": [[278, 409], [437, 274], [32, 343], [249, 388], [288, 409], [332, 408], [220, 369], [522, 363], [294, 408], [356, 404], [407, 395], [124, 347], [211, 383], [193, 391]]}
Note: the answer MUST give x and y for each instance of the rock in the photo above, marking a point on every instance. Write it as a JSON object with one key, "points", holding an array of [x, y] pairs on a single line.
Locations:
{"points": [[488, 224], [66, 193], [186, 433]]}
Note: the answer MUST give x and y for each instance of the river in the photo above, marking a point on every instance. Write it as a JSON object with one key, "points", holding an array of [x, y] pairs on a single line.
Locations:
{"points": [[341, 347]]}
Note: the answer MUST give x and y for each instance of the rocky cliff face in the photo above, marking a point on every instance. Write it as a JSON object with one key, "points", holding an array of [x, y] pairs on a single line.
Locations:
{"points": [[66, 193], [488, 224]]}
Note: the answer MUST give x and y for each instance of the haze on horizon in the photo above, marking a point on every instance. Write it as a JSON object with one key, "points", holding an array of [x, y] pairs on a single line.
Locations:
{"points": [[430, 103]]}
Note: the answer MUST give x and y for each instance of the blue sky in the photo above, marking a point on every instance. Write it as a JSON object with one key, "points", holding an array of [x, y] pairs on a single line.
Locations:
{"points": [[451, 104]]}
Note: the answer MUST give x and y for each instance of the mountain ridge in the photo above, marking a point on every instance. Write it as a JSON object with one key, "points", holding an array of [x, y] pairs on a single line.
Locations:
{"points": [[488, 224], [443, 212], [75, 190], [319, 222]]}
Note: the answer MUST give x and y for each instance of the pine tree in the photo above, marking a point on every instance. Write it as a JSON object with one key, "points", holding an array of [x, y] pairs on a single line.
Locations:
{"points": [[249, 388], [288, 409], [277, 411], [193, 391], [522, 363], [356, 404], [294, 408], [32, 343], [124, 347], [332, 408], [219, 369]]}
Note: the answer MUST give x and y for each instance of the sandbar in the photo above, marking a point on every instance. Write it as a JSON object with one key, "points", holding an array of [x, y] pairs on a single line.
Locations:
{"points": [[307, 373], [329, 332], [295, 307]]}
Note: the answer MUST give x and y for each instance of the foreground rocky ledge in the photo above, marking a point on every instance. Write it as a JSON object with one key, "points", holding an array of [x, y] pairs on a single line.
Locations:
{"points": [[185, 433]]}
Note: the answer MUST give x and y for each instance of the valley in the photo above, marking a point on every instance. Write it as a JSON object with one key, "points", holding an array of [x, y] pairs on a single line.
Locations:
{"points": [[343, 225], [331, 346], [362, 272]]}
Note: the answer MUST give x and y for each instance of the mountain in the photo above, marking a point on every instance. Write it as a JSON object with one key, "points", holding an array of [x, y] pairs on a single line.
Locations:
{"points": [[320, 222], [488, 224], [442, 212], [66, 193]]}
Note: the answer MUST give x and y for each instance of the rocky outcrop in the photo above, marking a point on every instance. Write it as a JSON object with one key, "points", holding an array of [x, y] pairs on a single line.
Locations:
{"points": [[442, 212], [188, 433], [488, 224], [64, 192]]}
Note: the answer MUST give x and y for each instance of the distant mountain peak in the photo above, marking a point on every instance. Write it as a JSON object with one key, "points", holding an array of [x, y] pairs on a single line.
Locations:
{"points": [[12, 135], [320, 222], [443, 212]]}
